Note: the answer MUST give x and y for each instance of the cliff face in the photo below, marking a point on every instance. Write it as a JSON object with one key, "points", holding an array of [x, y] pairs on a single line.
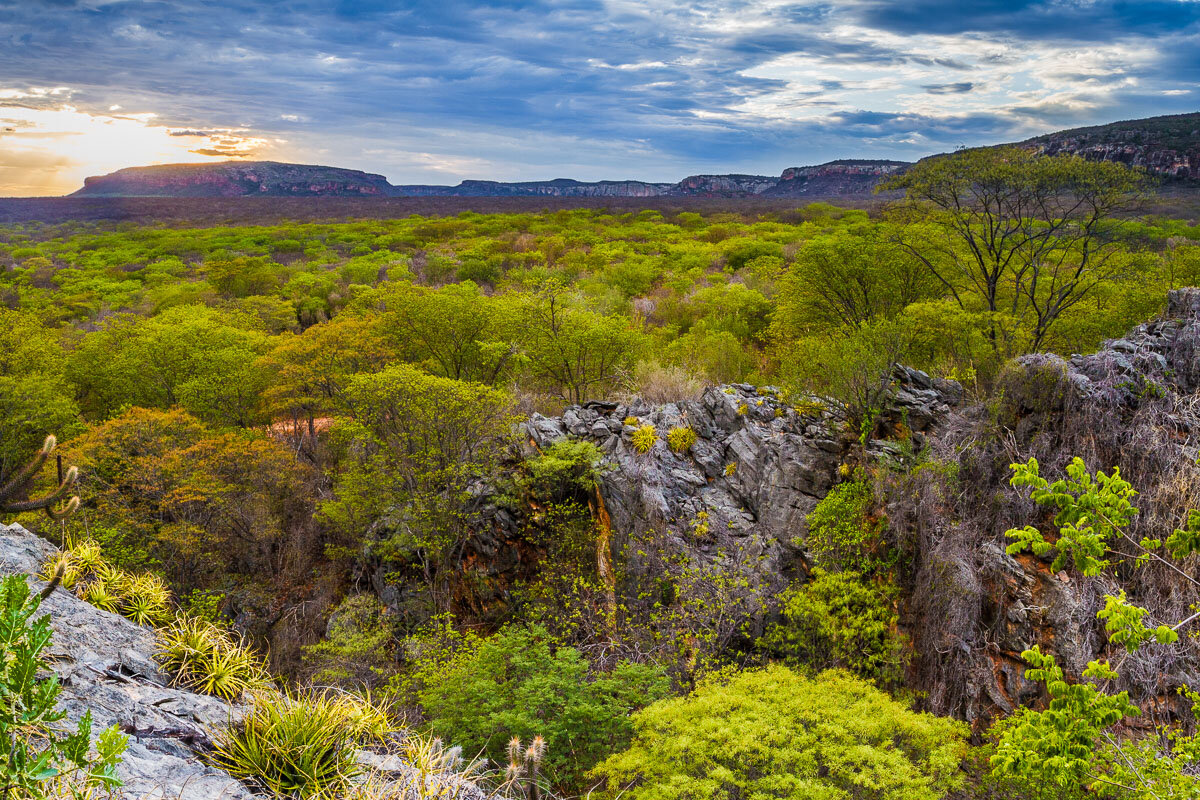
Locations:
{"points": [[236, 179], [835, 179], [270, 179], [1168, 146]]}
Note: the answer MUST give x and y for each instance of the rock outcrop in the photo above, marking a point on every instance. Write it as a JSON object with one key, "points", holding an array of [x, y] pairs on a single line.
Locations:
{"points": [[236, 179], [973, 608], [106, 664], [1168, 146], [756, 470]]}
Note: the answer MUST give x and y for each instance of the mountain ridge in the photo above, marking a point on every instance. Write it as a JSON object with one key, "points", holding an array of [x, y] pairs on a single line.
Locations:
{"points": [[1167, 146]]}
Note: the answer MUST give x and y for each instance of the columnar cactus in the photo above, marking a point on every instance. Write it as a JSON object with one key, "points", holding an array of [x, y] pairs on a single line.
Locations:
{"points": [[523, 765], [19, 482]]}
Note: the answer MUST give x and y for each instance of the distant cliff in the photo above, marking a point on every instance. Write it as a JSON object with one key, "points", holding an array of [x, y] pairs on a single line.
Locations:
{"points": [[1168, 146], [236, 179], [272, 179], [835, 179]]}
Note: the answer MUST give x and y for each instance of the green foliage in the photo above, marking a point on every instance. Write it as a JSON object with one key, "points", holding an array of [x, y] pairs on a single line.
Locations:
{"points": [[206, 658], [565, 469], [39, 760], [521, 683], [294, 745], [845, 533], [680, 439], [1004, 228], [841, 620], [357, 650], [644, 438], [1074, 743], [1089, 512], [773, 733]]}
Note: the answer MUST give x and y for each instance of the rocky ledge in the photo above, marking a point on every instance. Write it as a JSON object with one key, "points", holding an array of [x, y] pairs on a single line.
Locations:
{"points": [[106, 664]]}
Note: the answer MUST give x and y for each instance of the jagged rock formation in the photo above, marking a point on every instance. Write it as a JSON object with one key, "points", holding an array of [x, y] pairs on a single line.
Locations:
{"points": [[236, 179], [757, 469], [1167, 146], [972, 609], [106, 664]]}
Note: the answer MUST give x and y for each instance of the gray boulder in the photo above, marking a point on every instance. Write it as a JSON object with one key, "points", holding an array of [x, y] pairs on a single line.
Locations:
{"points": [[106, 664]]}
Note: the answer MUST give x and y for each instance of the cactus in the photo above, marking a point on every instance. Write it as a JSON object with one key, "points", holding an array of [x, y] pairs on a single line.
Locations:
{"points": [[523, 765], [19, 483]]}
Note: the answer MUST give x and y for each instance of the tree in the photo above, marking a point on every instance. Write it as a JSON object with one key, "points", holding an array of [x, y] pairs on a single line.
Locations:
{"points": [[188, 355], [455, 331], [1020, 234], [773, 733], [306, 374], [522, 683], [847, 280], [415, 444], [1075, 742], [573, 352], [854, 366]]}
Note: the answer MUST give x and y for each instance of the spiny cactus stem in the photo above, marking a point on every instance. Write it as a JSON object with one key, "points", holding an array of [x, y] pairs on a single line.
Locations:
{"points": [[26, 473]]}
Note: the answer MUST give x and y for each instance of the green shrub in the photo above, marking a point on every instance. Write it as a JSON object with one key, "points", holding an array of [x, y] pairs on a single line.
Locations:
{"points": [[773, 733], [842, 533], [142, 597], [37, 759], [840, 620], [519, 683], [207, 659], [644, 438], [358, 647], [293, 746], [681, 439], [563, 470]]}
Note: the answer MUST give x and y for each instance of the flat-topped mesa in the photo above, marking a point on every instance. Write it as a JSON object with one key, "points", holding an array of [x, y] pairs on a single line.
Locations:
{"points": [[236, 179]]}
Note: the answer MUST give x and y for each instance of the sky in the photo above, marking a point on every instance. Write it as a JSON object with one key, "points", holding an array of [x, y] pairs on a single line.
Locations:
{"points": [[441, 90]]}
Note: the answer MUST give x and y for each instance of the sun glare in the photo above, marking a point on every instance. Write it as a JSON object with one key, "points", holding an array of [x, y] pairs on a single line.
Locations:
{"points": [[50, 150]]}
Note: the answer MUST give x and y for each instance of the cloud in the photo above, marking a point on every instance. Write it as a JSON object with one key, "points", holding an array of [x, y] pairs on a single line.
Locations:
{"points": [[949, 88], [520, 89]]}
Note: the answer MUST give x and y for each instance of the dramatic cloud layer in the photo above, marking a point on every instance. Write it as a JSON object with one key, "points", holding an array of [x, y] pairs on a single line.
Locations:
{"points": [[522, 89]]}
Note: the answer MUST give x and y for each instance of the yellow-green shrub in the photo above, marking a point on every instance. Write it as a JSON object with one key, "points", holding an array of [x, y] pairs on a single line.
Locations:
{"points": [[775, 733], [681, 438], [644, 438]]}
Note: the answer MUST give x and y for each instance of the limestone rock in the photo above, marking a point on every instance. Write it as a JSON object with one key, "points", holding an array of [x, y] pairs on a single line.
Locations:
{"points": [[105, 663]]}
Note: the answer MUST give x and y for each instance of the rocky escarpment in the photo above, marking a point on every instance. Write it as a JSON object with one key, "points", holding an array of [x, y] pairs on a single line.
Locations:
{"points": [[835, 179], [972, 608], [1167, 146], [270, 179], [106, 664], [236, 179], [756, 470]]}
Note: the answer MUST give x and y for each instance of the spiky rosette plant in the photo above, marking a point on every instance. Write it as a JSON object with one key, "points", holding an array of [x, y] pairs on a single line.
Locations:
{"points": [[17, 485]]}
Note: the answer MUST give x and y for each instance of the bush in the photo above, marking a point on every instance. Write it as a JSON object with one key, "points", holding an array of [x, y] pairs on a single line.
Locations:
{"points": [[37, 760], [773, 733], [294, 746], [207, 659], [142, 598], [518, 683], [566, 470], [839, 620], [843, 534], [644, 438], [681, 439]]}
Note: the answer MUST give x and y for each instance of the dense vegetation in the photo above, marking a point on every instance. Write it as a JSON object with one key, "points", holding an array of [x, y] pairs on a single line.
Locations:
{"points": [[285, 427]]}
